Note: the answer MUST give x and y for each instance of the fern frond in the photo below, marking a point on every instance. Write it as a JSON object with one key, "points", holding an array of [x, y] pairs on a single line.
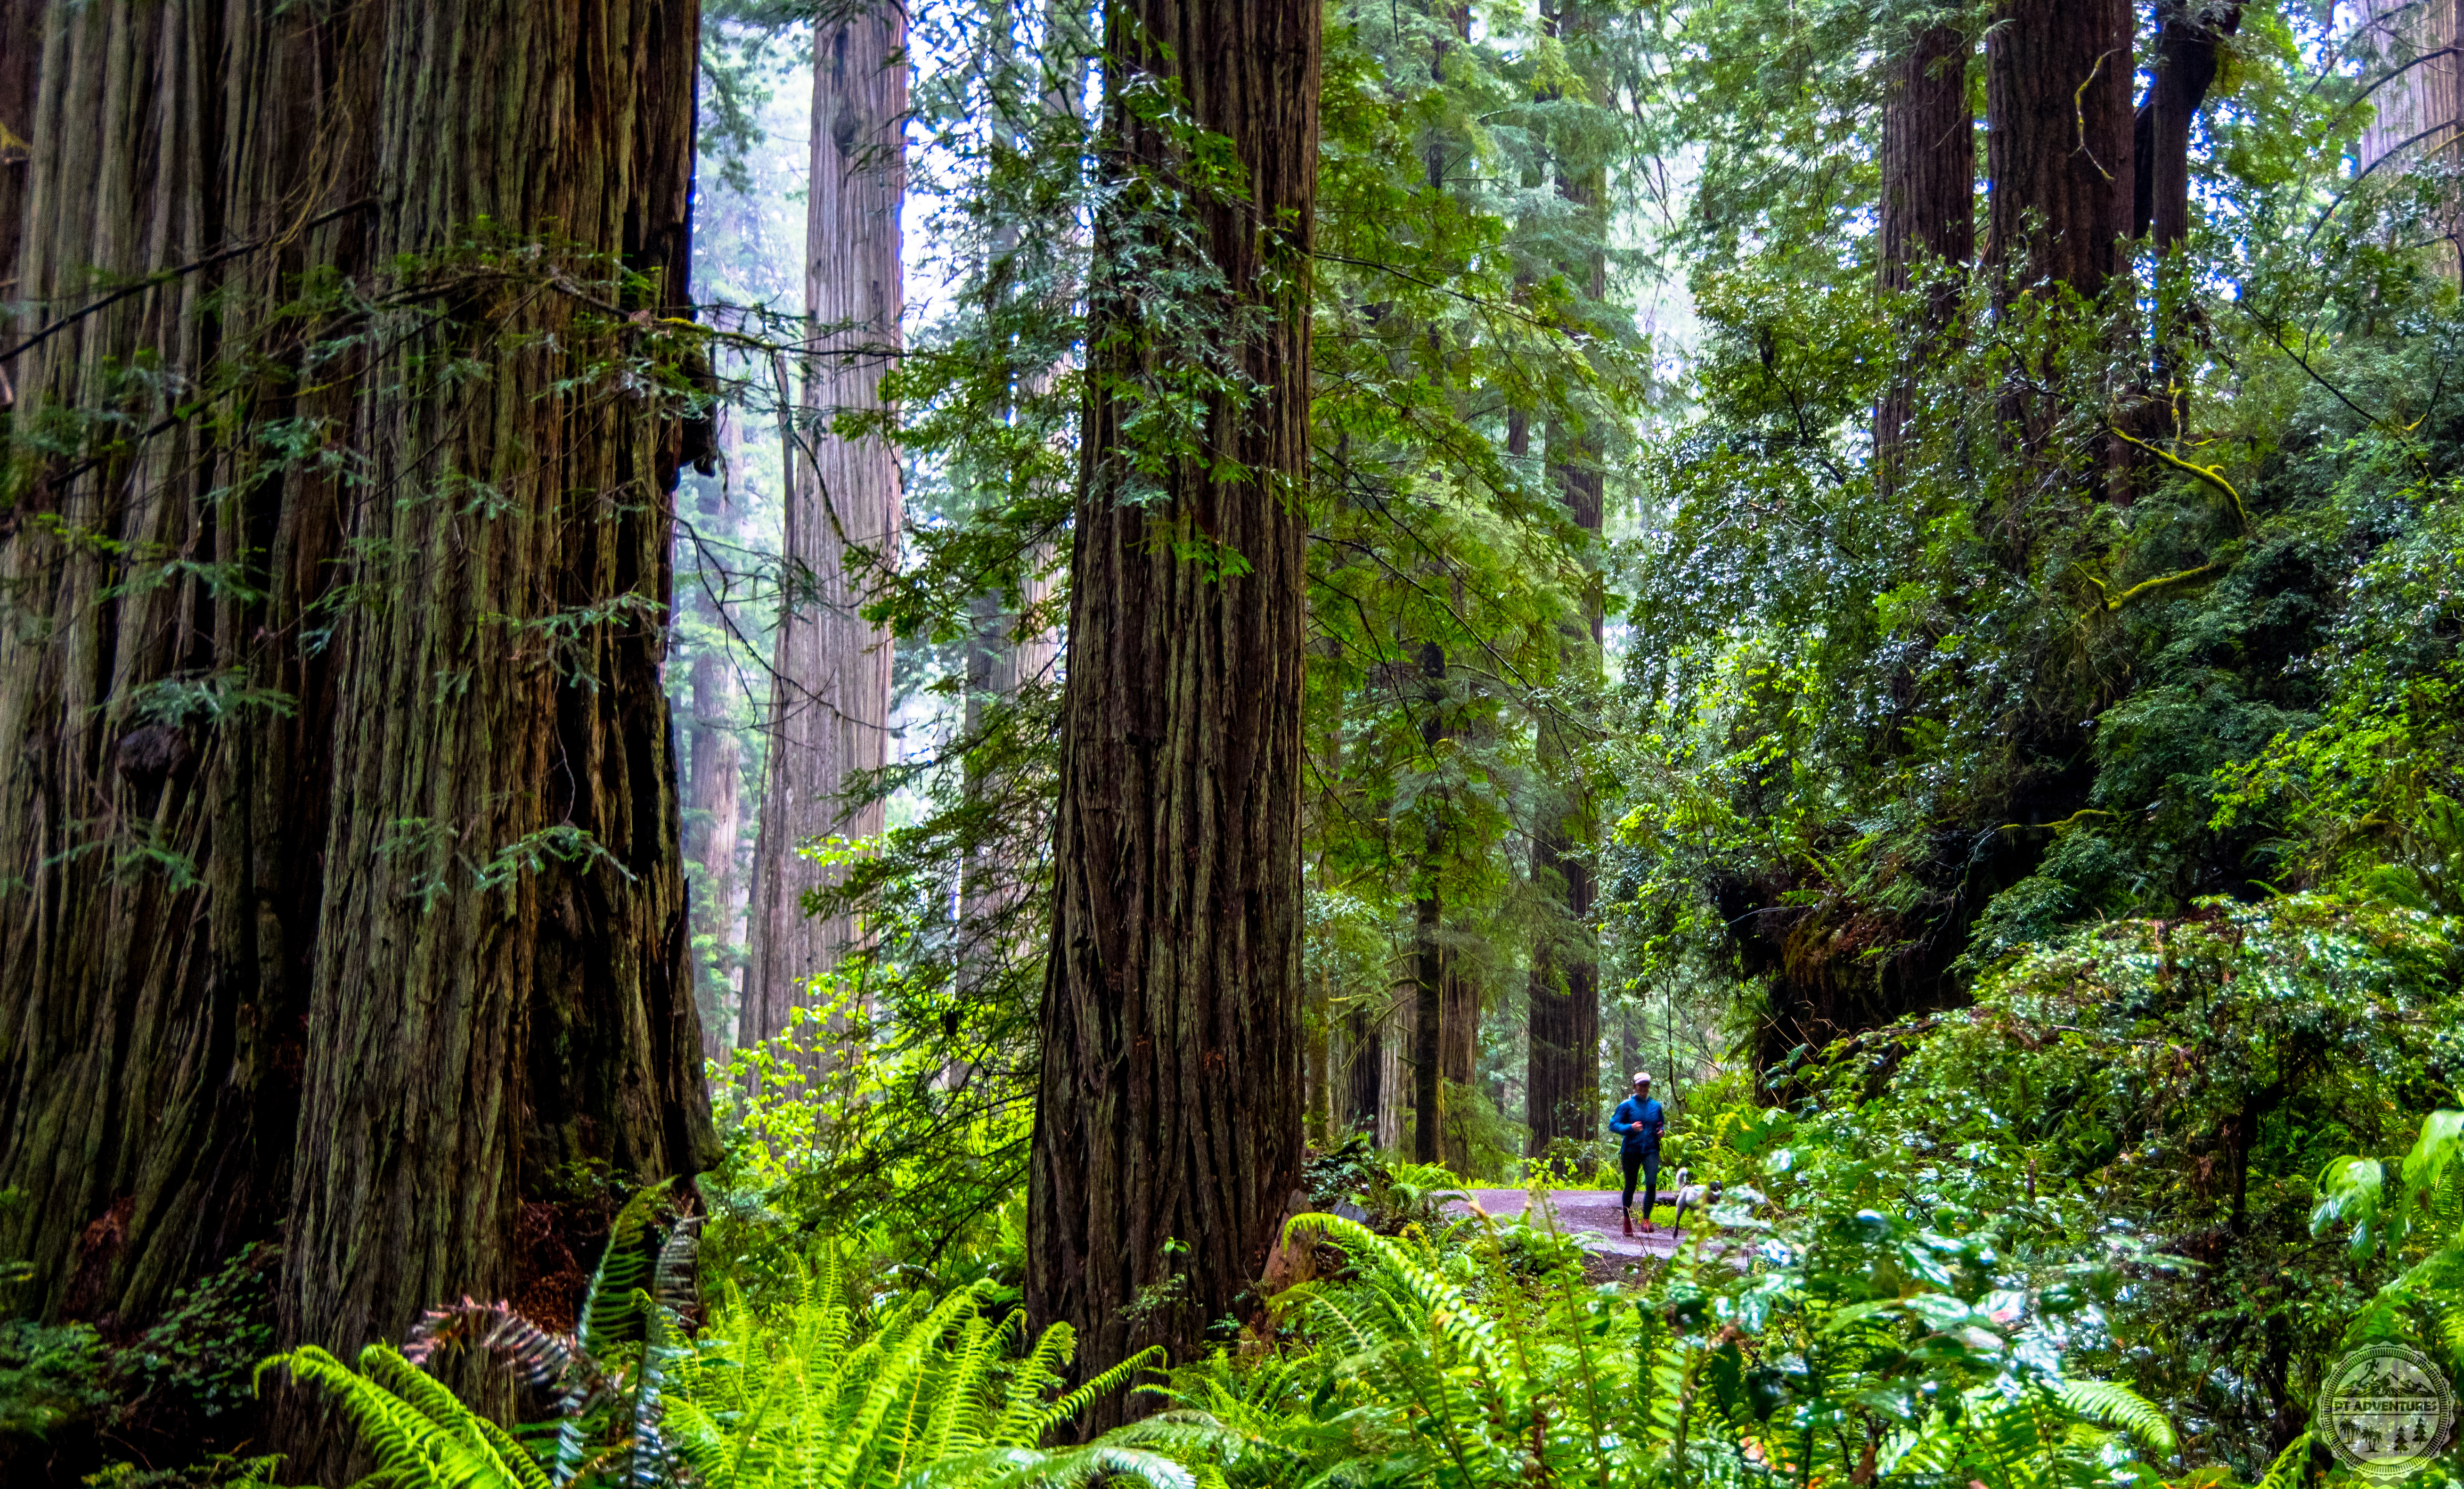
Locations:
{"points": [[410, 1447], [608, 1308], [1151, 1358], [676, 1281], [2117, 1406]]}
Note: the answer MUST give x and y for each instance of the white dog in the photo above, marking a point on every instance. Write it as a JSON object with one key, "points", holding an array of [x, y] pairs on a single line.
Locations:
{"points": [[1703, 1196]]}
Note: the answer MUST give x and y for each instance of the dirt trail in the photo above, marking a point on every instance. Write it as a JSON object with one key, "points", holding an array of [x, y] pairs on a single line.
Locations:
{"points": [[1592, 1216]]}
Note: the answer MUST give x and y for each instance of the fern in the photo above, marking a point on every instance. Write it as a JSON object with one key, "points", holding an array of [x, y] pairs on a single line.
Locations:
{"points": [[2119, 1406], [428, 1439]]}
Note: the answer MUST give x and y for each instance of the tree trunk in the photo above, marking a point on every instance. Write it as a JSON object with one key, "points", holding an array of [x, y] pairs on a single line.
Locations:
{"points": [[2419, 107], [829, 712], [1428, 943], [1366, 1066], [1928, 214], [339, 825], [713, 812], [1561, 1058], [2188, 35], [2058, 78], [1394, 1065], [2058, 149], [1458, 1056], [1561, 1070], [1168, 1125], [21, 53]]}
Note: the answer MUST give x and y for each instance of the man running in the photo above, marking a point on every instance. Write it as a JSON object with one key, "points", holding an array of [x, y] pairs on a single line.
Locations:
{"points": [[1638, 1121]]}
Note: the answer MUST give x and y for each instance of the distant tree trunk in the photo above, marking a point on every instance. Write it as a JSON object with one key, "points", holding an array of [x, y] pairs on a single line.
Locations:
{"points": [[1561, 1060], [1394, 1065], [1929, 214], [1428, 940], [2188, 35], [829, 712], [345, 900], [2419, 105], [1458, 1052], [1170, 1096], [2058, 76], [1561, 1068], [1365, 1069], [1318, 1030], [715, 793]]}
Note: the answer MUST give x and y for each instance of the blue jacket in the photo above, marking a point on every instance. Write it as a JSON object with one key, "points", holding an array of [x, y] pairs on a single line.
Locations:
{"points": [[1639, 1122]]}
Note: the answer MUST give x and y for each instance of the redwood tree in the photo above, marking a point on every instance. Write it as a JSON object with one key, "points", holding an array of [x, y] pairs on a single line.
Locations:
{"points": [[829, 712], [339, 896], [1168, 1129], [2057, 81], [1928, 216], [1562, 1064]]}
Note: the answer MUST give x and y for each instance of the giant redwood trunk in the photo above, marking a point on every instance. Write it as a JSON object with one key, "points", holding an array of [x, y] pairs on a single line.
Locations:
{"points": [[1167, 1126], [2057, 81], [2059, 153], [337, 827], [1928, 216], [829, 712]]}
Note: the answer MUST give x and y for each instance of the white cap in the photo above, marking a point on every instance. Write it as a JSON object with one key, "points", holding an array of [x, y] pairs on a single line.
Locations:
{"points": [[1642, 1077]]}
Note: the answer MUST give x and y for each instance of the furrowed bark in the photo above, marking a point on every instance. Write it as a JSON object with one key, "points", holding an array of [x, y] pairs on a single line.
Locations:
{"points": [[2058, 75], [2058, 142], [252, 751], [490, 1034], [2418, 110], [1168, 1128]]}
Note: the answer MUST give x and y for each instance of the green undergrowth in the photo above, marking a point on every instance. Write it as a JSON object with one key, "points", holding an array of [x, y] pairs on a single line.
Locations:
{"points": [[1836, 1334]]}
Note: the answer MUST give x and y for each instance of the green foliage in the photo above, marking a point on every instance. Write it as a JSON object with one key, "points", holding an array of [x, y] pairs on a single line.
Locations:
{"points": [[2419, 1227], [184, 1377], [1850, 1346], [822, 1388], [49, 1375]]}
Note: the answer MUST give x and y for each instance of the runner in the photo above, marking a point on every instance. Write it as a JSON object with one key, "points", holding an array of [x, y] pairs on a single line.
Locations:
{"points": [[1638, 1121]]}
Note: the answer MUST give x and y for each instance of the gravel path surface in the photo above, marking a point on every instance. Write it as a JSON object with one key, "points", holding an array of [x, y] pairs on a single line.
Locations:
{"points": [[1590, 1215]]}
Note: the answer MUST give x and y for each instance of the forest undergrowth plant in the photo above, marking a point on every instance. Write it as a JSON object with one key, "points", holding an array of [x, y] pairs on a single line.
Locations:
{"points": [[823, 1386], [1846, 1346]]}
